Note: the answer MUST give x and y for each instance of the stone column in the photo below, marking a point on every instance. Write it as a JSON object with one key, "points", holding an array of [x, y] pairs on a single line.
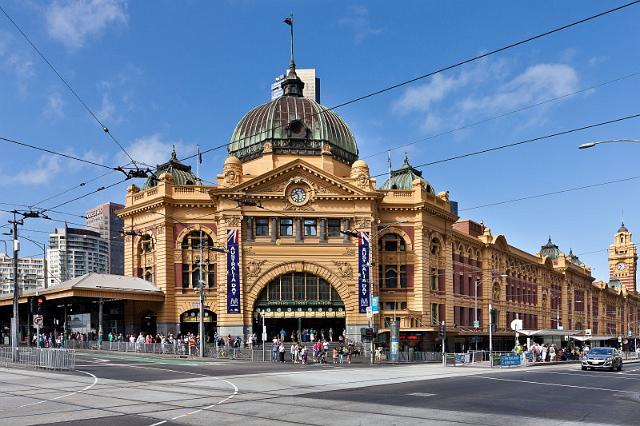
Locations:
{"points": [[298, 230], [346, 223], [250, 228], [274, 229], [323, 230]]}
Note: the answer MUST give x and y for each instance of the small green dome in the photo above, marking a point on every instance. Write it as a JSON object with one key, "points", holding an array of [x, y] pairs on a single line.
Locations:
{"points": [[550, 250], [292, 124], [181, 173], [403, 178]]}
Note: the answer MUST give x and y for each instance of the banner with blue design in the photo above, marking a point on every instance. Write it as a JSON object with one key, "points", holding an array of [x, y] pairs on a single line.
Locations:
{"points": [[233, 272], [364, 265]]}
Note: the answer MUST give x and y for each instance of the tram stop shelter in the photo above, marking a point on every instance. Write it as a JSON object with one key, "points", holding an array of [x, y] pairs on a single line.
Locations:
{"points": [[121, 304]]}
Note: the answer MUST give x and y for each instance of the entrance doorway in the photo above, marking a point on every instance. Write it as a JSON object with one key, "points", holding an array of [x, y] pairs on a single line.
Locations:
{"points": [[296, 302], [190, 322], [149, 324]]}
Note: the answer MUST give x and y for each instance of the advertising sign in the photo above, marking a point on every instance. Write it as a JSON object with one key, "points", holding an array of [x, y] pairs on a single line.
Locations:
{"points": [[233, 272], [363, 271], [510, 360], [375, 304]]}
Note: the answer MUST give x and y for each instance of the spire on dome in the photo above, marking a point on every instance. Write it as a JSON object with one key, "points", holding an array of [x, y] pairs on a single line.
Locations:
{"points": [[622, 228], [291, 85]]}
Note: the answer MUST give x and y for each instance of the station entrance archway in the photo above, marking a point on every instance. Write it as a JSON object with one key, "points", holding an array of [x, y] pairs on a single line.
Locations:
{"points": [[297, 301]]}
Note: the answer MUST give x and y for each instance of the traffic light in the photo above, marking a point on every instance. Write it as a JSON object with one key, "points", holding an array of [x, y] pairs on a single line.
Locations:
{"points": [[442, 332], [39, 305]]}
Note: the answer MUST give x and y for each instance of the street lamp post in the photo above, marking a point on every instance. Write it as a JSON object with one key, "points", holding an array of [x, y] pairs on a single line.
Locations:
{"points": [[592, 144]]}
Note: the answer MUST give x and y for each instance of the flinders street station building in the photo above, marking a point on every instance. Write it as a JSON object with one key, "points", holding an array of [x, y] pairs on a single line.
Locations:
{"points": [[296, 232]]}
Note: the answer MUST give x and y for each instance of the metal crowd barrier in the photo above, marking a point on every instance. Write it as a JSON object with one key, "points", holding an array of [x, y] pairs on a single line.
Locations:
{"points": [[48, 358]]}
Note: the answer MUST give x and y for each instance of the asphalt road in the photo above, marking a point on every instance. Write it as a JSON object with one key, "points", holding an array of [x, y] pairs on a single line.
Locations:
{"points": [[114, 389]]}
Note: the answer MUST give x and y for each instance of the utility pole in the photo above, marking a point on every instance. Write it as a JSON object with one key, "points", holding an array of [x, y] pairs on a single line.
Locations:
{"points": [[16, 289], [490, 336], [201, 295], [475, 310]]}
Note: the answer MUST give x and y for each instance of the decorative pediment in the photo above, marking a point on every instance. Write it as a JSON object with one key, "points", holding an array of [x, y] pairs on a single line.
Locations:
{"points": [[277, 181]]}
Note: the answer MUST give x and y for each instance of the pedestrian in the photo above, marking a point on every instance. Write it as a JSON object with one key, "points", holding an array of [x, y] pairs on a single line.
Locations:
{"points": [[552, 353], [543, 356], [335, 355], [236, 347], [330, 334], [282, 334], [274, 349], [281, 351]]}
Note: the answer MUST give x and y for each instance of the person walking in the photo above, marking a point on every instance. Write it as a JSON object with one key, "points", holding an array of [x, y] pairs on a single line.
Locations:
{"points": [[281, 351], [330, 334], [552, 353]]}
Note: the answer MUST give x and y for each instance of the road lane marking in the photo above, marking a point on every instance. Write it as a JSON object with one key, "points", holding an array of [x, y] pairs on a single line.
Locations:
{"points": [[86, 388], [208, 407], [557, 384], [422, 394]]}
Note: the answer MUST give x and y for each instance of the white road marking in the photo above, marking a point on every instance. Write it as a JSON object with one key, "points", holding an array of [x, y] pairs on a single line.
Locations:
{"points": [[86, 388], [557, 384], [423, 394], [208, 407]]}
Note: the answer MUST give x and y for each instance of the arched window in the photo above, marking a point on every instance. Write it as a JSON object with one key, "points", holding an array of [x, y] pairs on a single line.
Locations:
{"points": [[193, 240], [392, 270], [192, 244]]}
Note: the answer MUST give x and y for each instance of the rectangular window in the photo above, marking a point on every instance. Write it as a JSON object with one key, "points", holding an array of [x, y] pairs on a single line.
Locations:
{"points": [[298, 286], [403, 276], [262, 227], [211, 276], [287, 287], [434, 279], [286, 227], [185, 276], [333, 227], [434, 313], [310, 228]]}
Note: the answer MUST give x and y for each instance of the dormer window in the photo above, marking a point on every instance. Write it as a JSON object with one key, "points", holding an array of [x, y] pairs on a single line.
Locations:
{"points": [[297, 130]]}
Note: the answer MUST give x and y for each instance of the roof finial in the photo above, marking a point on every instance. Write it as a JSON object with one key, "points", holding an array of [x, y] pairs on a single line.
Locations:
{"points": [[289, 22], [173, 152]]}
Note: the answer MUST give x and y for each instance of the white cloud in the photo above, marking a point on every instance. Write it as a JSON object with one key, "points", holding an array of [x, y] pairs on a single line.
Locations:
{"points": [[73, 22], [360, 24], [421, 98], [55, 106], [107, 110], [42, 172], [17, 61], [535, 84], [153, 150]]}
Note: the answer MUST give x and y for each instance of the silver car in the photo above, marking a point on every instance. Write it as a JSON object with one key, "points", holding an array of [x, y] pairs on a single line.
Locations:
{"points": [[608, 358]]}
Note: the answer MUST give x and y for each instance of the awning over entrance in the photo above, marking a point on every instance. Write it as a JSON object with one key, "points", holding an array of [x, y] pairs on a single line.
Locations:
{"points": [[550, 332], [93, 285], [594, 338], [303, 314]]}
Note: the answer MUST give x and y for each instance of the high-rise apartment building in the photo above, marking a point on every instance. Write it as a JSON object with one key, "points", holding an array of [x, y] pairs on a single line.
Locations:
{"points": [[74, 252], [103, 219], [31, 271], [311, 88]]}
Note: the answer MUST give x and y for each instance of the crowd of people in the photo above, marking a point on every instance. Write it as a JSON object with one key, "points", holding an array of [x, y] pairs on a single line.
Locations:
{"points": [[308, 347], [545, 352]]}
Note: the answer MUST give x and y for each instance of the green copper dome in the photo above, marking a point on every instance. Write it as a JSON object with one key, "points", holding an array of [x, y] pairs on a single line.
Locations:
{"points": [[292, 124], [550, 250], [403, 178], [181, 173]]}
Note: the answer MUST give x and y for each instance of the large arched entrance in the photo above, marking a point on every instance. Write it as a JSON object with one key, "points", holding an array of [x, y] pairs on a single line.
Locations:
{"points": [[190, 322], [299, 301]]}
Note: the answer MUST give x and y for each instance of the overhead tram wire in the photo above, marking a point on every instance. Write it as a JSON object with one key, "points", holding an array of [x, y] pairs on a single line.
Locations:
{"points": [[105, 129], [547, 194], [80, 185], [99, 189], [523, 142], [71, 157], [505, 114], [438, 71]]}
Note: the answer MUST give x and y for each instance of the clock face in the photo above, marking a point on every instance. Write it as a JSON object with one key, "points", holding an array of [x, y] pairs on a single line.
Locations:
{"points": [[621, 266], [298, 195]]}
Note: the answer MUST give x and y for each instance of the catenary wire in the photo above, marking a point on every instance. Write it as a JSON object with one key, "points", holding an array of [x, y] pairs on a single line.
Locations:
{"points": [[71, 157], [505, 114], [523, 142], [440, 70], [101, 188], [547, 194], [80, 185], [105, 129]]}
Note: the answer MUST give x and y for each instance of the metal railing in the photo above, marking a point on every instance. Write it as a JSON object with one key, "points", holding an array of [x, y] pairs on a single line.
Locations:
{"points": [[52, 359]]}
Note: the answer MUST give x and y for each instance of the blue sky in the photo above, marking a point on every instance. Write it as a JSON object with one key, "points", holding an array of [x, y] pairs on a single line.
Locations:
{"points": [[184, 73]]}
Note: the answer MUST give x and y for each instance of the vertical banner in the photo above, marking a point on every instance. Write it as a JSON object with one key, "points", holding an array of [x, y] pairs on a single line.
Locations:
{"points": [[364, 286], [233, 272]]}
